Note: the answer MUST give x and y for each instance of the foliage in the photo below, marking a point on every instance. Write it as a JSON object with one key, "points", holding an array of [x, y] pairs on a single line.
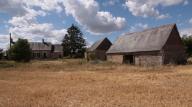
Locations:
{"points": [[74, 43], [187, 41], [20, 51], [1, 53]]}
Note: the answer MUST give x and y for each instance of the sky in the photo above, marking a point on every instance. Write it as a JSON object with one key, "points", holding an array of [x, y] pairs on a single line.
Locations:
{"points": [[49, 19]]}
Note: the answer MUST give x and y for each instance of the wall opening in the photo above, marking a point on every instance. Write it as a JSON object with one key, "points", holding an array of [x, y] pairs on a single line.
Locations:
{"points": [[44, 55], [128, 59]]}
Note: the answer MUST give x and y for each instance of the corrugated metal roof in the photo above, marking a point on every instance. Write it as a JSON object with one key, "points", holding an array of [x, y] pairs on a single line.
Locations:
{"points": [[148, 40], [58, 48], [40, 46], [96, 44]]}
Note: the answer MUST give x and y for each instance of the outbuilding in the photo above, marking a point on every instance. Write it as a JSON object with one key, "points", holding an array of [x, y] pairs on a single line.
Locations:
{"points": [[155, 46], [98, 50]]}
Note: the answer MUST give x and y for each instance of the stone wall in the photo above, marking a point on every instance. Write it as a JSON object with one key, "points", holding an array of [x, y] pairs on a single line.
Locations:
{"points": [[142, 59], [148, 60], [115, 58], [41, 54]]}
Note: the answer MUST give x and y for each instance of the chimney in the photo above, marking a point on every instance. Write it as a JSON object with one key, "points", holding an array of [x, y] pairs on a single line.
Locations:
{"points": [[43, 41]]}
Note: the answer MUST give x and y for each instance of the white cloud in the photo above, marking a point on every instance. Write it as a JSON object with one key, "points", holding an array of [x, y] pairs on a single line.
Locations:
{"points": [[27, 27], [88, 15], [20, 7], [186, 31], [13, 7], [147, 8], [24, 22], [4, 41], [138, 27], [48, 5], [110, 2]]}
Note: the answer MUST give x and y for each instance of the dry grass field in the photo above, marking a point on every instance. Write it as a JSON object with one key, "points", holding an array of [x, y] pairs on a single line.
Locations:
{"points": [[74, 83]]}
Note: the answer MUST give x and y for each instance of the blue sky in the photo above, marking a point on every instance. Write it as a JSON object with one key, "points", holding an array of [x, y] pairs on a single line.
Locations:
{"points": [[49, 19]]}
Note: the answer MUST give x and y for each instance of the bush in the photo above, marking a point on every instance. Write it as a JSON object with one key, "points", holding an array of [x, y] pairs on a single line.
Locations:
{"points": [[20, 51], [187, 41]]}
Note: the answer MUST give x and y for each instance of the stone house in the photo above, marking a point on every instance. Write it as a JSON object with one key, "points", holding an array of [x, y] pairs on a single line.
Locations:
{"points": [[57, 51], [98, 49], [46, 50], [156, 46]]}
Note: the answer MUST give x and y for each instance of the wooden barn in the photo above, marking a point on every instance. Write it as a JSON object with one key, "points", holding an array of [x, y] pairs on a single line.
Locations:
{"points": [[156, 46], [98, 49]]}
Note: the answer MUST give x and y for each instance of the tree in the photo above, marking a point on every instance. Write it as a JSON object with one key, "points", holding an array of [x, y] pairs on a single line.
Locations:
{"points": [[20, 51], [1, 53], [187, 41], [73, 42]]}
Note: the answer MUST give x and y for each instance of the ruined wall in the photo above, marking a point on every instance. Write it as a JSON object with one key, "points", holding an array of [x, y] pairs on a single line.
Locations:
{"points": [[148, 60], [115, 58]]}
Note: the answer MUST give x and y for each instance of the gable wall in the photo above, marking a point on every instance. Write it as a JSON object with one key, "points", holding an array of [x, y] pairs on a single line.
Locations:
{"points": [[105, 45], [174, 51]]}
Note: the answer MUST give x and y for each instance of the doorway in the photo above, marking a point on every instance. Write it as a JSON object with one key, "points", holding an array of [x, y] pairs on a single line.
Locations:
{"points": [[128, 59]]}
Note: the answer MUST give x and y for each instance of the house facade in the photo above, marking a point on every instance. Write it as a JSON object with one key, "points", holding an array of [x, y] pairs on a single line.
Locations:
{"points": [[46, 50], [156, 46], [98, 49]]}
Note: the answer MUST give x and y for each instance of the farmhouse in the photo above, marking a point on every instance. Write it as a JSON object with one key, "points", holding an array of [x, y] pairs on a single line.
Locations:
{"points": [[44, 50], [156, 46], [98, 49]]}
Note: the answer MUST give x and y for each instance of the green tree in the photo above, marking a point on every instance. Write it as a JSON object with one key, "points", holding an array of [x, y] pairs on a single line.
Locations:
{"points": [[187, 41], [1, 53], [73, 42], [20, 51]]}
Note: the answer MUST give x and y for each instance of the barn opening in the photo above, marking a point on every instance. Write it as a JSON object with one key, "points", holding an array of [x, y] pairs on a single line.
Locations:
{"points": [[128, 59]]}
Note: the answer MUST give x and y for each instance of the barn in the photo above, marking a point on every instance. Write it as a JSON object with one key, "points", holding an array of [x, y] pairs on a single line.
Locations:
{"points": [[98, 49], [155, 46]]}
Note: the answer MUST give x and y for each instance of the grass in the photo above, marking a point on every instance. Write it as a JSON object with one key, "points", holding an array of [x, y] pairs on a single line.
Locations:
{"points": [[75, 83]]}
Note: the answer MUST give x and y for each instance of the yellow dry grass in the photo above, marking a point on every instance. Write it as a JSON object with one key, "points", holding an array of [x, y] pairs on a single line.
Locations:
{"points": [[74, 83]]}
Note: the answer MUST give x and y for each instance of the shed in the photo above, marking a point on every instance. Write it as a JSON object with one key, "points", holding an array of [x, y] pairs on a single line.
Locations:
{"points": [[155, 46], [98, 49]]}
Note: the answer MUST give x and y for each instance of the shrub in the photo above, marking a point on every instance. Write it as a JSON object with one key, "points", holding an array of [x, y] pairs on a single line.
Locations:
{"points": [[187, 41], [20, 51]]}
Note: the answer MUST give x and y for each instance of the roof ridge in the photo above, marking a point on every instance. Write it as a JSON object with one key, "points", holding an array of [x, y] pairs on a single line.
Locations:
{"points": [[129, 33]]}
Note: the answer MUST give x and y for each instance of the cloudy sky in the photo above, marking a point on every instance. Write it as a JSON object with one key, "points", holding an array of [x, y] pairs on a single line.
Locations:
{"points": [[49, 19]]}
